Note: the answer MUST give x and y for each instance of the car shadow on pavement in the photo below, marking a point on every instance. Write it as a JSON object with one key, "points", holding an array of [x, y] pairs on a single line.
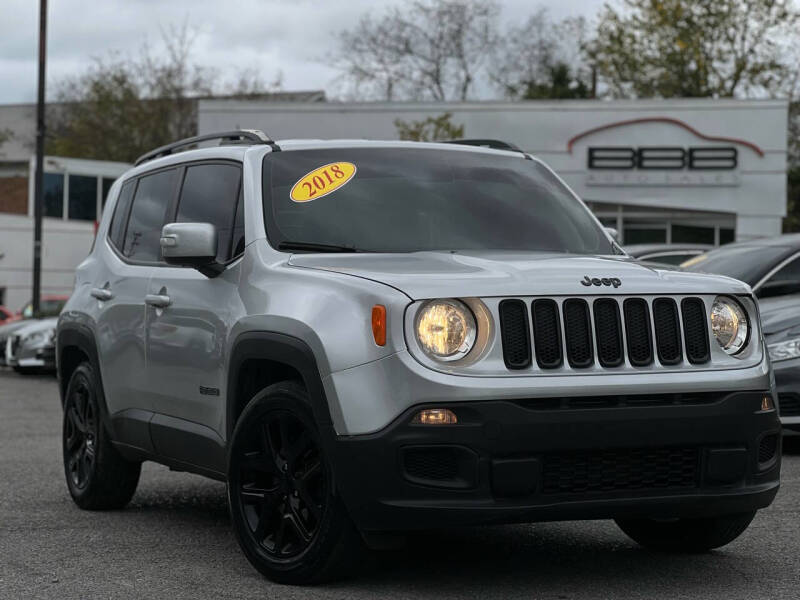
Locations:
{"points": [[553, 560]]}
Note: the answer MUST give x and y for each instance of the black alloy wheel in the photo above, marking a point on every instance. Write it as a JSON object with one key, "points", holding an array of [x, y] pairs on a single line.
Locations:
{"points": [[80, 434], [98, 476], [281, 485], [286, 511]]}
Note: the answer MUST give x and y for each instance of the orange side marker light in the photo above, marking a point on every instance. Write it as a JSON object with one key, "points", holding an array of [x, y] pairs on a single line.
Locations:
{"points": [[379, 324]]}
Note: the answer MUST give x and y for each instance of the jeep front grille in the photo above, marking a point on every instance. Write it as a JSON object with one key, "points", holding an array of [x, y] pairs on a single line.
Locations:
{"points": [[604, 332]]}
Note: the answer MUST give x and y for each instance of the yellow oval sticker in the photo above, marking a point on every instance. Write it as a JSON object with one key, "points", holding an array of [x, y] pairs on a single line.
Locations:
{"points": [[322, 181]]}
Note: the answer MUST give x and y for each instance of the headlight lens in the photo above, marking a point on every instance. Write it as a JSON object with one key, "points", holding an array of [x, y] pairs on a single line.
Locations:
{"points": [[784, 350], [446, 329], [729, 324]]}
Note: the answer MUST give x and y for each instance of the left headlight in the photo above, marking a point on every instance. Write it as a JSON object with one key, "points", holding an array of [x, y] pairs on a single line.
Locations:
{"points": [[39, 337], [729, 324], [784, 350], [445, 329]]}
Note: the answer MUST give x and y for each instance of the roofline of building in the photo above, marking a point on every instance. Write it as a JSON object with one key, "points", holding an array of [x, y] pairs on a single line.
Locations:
{"points": [[213, 105]]}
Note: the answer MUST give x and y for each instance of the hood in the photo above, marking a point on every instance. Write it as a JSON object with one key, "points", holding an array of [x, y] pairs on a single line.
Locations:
{"points": [[8, 329], [780, 315], [491, 273], [36, 325]]}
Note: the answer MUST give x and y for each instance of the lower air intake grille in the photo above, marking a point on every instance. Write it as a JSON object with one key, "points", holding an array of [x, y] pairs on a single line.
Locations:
{"points": [[695, 330], [789, 405], [439, 464], [637, 326], [767, 448], [453, 467], [515, 333], [620, 470], [546, 334]]}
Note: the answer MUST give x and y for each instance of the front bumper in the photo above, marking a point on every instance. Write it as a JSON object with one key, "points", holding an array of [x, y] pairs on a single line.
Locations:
{"points": [[787, 382], [521, 460], [33, 357]]}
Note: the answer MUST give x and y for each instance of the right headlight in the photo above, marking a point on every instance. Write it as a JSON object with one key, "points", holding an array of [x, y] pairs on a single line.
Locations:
{"points": [[784, 350], [729, 324], [445, 329]]}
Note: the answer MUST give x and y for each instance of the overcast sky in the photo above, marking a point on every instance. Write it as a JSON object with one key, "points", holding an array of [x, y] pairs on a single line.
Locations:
{"points": [[290, 36]]}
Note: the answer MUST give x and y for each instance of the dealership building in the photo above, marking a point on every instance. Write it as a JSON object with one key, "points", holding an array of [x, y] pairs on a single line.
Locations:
{"points": [[704, 170], [708, 171]]}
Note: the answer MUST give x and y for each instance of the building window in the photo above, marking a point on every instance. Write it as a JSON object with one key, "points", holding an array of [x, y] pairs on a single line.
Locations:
{"points": [[82, 198], [53, 189], [688, 234], [726, 236]]}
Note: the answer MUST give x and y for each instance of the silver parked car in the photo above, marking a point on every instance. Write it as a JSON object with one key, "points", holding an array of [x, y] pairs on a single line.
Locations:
{"points": [[368, 337], [31, 348]]}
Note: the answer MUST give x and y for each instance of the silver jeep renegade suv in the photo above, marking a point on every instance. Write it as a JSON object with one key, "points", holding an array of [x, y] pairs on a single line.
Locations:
{"points": [[363, 338]]}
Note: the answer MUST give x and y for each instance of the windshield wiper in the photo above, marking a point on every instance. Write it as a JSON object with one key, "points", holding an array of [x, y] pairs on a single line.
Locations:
{"points": [[314, 247]]}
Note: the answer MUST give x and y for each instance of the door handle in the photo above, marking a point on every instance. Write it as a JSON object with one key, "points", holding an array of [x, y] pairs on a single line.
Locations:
{"points": [[101, 293], [158, 300]]}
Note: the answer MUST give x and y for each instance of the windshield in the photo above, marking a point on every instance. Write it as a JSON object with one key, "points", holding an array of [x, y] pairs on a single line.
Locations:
{"points": [[747, 263], [47, 308], [410, 199]]}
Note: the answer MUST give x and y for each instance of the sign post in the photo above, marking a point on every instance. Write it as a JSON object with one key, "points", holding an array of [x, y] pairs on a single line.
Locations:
{"points": [[39, 174]]}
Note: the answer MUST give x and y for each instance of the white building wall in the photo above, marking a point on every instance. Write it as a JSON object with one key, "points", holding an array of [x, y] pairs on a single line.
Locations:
{"points": [[754, 192], [65, 242], [64, 245]]}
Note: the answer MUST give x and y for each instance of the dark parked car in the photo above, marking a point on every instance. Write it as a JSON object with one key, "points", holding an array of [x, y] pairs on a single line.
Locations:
{"points": [[770, 265], [668, 254], [50, 307], [780, 319]]}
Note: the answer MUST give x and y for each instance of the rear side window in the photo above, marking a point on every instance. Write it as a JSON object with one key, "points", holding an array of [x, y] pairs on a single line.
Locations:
{"points": [[209, 195], [153, 195], [117, 229]]}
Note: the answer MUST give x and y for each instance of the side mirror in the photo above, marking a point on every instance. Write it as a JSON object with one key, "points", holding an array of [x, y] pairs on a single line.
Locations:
{"points": [[191, 245], [613, 233]]}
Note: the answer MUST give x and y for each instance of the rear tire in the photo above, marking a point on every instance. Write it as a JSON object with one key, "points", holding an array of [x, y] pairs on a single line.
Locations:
{"points": [[687, 535], [286, 513], [98, 478]]}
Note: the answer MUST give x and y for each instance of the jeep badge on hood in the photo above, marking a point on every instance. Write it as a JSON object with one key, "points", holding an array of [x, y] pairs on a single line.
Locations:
{"points": [[588, 281]]}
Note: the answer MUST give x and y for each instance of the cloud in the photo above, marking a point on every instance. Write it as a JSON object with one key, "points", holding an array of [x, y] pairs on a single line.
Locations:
{"points": [[290, 36]]}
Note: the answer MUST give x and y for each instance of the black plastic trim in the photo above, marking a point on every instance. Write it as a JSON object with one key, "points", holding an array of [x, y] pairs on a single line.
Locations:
{"points": [[284, 349], [505, 332]]}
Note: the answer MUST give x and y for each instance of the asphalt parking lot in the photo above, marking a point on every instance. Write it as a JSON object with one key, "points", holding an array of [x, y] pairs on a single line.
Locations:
{"points": [[174, 541]]}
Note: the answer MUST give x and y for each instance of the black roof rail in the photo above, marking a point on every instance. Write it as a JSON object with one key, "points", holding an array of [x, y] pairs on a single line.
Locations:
{"points": [[253, 136], [494, 144]]}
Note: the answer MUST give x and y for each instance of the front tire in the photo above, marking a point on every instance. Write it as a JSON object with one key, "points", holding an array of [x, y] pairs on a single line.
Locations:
{"points": [[98, 477], [687, 535], [286, 513]]}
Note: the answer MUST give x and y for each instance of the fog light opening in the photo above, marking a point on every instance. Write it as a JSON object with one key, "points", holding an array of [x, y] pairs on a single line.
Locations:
{"points": [[767, 403], [435, 416]]}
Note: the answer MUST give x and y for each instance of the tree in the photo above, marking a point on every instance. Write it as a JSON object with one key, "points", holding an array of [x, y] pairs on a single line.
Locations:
{"points": [[430, 130], [542, 60], [694, 48], [428, 49], [122, 107]]}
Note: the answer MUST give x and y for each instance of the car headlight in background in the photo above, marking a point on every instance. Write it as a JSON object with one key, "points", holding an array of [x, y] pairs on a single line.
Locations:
{"points": [[784, 350], [446, 329], [39, 336], [729, 324]]}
